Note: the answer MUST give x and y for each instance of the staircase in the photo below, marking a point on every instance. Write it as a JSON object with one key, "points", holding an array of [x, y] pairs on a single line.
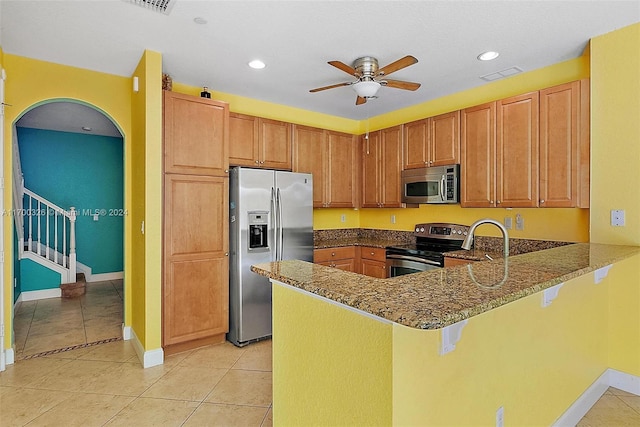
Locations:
{"points": [[46, 232]]}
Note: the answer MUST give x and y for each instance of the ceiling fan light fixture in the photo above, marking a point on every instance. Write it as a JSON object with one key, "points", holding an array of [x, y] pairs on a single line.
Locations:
{"points": [[366, 88]]}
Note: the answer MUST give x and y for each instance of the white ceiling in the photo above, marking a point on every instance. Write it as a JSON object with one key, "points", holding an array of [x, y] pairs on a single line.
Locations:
{"points": [[297, 38]]}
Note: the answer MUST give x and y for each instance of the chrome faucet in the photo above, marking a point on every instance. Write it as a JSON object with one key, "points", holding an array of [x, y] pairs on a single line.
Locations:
{"points": [[469, 239]]}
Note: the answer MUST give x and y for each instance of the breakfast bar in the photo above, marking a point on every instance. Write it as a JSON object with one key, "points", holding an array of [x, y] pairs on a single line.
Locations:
{"points": [[524, 337]]}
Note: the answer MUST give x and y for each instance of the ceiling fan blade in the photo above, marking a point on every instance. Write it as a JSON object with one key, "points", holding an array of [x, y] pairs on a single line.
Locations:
{"points": [[344, 67], [398, 84], [318, 89], [397, 65], [360, 100]]}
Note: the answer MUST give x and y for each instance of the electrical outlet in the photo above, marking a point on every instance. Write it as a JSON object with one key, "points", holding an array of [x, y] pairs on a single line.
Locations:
{"points": [[343, 218], [617, 217], [500, 417], [393, 219], [508, 222], [519, 222]]}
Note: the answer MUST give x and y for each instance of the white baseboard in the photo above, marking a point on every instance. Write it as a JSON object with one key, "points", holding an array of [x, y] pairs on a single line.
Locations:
{"points": [[625, 382], [9, 356], [610, 378], [126, 332], [42, 294], [101, 277], [147, 358]]}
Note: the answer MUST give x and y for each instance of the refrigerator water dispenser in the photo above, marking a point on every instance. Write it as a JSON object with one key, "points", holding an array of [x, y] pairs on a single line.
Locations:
{"points": [[258, 231]]}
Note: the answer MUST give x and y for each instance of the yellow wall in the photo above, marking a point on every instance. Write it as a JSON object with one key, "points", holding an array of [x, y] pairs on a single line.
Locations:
{"points": [[553, 224], [533, 361], [615, 134], [30, 83], [147, 202], [254, 107], [351, 352]]}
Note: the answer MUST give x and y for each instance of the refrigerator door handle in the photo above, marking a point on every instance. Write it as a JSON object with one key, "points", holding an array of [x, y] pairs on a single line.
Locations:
{"points": [[274, 225], [280, 229]]}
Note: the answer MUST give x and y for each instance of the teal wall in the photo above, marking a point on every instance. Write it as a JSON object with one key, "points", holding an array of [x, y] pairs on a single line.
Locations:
{"points": [[35, 277], [85, 171]]}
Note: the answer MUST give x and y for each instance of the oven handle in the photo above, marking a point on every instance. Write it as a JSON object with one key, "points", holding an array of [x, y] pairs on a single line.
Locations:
{"points": [[412, 258], [442, 187]]}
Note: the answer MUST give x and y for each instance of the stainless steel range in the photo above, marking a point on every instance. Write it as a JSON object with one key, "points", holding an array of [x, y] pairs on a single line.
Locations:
{"points": [[433, 240]]}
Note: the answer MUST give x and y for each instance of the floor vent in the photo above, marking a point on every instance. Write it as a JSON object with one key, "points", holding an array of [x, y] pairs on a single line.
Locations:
{"points": [[162, 6], [501, 74]]}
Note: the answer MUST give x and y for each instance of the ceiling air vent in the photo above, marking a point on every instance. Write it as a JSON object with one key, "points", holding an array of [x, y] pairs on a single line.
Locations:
{"points": [[162, 6], [501, 74]]}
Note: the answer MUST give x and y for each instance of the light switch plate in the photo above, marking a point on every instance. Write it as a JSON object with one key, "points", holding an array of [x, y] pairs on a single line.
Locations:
{"points": [[617, 217], [508, 222]]}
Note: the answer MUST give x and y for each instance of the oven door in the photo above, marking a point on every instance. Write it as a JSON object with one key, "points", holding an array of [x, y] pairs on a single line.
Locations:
{"points": [[398, 265]]}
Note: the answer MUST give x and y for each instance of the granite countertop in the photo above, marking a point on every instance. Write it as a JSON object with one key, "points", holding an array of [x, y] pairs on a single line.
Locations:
{"points": [[438, 298]]}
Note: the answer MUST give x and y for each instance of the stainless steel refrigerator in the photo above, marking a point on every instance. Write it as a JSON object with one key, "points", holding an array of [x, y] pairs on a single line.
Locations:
{"points": [[271, 219]]}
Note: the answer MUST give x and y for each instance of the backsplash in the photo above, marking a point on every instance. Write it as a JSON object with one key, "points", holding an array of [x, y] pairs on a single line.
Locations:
{"points": [[516, 246], [363, 233]]}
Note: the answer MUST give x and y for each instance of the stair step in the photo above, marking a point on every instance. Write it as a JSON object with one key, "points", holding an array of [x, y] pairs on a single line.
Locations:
{"points": [[74, 289]]}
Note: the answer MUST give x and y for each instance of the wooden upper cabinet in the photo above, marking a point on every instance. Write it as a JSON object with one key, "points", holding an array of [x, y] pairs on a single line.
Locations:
{"points": [[243, 134], [274, 146], [434, 141], [259, 143], [332, 159], [444, 133], [416, 144], [342, 170], [564, 145], [196, 135], [381, 168], [371, 174], [309, 156], [517, 151], [477, 156]]}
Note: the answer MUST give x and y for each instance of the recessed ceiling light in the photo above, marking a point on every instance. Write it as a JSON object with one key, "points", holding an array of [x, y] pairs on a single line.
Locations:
{"points": [[199, 20], [257, 64], [488, 56], [86, 128]]}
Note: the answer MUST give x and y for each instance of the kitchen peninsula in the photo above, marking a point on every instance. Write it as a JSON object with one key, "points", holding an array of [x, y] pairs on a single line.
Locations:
{"points": [[451, 346]]}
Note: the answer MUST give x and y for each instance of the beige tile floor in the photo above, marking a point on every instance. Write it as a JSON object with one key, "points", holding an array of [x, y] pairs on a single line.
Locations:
{"points": [[218, 385], [55, 323]]}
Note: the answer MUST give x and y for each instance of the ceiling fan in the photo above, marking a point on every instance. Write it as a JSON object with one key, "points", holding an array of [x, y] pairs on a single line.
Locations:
{"points": [[369, 77]]}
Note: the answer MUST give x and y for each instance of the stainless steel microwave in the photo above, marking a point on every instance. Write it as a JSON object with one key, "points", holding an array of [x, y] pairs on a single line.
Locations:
{"points": [[438, 184]]}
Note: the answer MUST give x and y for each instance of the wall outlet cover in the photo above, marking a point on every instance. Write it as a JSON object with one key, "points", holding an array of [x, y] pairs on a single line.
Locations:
{"points": [[617, 217]]}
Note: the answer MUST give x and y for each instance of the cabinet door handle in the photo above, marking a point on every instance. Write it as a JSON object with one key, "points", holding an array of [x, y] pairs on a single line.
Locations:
{"points": [[262, 162], [333, 254], [498, 202], [372, 253], [542, 201], [226, 254], [257, 162]]}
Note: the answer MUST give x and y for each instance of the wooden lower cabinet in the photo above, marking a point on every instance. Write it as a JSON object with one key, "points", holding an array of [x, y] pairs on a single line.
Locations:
{"points": [[195, 292], [365, 260], [373, 262], [452, 262], [343, 258]]}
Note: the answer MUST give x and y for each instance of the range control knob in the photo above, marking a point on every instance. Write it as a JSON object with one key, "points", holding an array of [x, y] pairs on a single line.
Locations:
{"points": [[417, 229], [422, 229]]}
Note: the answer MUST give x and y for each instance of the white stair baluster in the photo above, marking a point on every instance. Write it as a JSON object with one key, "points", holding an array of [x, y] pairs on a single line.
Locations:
{"points": [[55, 236], [46, 219], [29, 213], [72, 243], [39, 246]]}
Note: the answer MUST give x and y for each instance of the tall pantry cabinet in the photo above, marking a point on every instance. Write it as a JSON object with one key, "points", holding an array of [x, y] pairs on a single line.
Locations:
{"points": [[195, 289]]}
